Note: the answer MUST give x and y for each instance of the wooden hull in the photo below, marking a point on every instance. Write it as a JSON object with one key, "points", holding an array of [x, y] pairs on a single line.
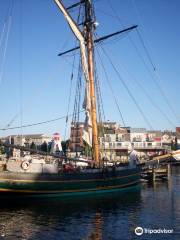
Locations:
{"points": [[67, 184]]}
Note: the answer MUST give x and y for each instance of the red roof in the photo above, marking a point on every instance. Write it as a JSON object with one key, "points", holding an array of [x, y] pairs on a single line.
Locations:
{"points": [[157, 139]]}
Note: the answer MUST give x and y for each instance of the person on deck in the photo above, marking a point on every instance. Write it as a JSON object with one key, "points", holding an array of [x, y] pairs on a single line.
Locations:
{"points": [[133, 159]]}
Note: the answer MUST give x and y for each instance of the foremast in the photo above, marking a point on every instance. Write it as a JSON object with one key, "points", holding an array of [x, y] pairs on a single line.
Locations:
{"points": [[89, 29], [87, 48]]}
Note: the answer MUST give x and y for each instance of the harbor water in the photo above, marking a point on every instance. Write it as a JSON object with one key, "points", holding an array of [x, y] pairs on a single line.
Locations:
{"points": [[155, 208]]}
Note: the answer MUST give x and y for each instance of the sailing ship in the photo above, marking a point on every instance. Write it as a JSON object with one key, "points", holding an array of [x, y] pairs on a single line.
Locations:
{"points": [[36, 177]]}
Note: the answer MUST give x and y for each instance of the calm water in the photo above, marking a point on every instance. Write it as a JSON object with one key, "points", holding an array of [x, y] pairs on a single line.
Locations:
{"points": [[112, 217]]}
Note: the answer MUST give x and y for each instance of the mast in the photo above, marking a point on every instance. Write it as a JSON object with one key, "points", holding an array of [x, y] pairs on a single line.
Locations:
{"points": [[89, 29], [86, 45], [86, 48]]}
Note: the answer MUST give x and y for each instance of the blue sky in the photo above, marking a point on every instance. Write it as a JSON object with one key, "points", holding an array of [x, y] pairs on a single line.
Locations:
{"points": [[37, 82]]}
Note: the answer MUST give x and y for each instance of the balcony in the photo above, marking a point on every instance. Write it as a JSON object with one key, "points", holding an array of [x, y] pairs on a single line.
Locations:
{"points": [[130, 145]]}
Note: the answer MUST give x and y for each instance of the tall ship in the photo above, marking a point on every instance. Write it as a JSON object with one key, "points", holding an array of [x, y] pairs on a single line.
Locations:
{"points": [[61, 175]]}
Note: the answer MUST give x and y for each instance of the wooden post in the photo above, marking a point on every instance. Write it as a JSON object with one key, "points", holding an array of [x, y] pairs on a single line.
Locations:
{"points": [[168, 171], [154, 174]]}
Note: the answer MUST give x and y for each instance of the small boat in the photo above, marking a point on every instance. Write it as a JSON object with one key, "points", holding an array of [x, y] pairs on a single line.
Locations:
{"points": [[35, 177]]}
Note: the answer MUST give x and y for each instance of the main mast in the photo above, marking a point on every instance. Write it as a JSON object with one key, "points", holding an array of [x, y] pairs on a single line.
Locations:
{"points": [[88, 31]]}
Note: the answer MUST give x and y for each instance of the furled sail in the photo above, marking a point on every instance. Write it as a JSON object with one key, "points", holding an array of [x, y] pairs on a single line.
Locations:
{"points": [[87, 134]]}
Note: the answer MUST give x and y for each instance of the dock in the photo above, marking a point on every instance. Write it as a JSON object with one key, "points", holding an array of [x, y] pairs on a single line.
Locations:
{"points": [[157, 169]]}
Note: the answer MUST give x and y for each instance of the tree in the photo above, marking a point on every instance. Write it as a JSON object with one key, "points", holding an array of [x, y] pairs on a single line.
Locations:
{"points": [[49, 146], [65, 146], [87, 149], [44, 147], [2, 150], [33, 146]]}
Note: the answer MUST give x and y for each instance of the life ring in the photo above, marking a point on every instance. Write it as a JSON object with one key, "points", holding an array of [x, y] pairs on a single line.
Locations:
{"points": [[25, 165]]}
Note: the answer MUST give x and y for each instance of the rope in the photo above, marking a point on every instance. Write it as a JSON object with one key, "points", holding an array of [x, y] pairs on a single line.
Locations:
{"points": [[21, 68], [156, 75], [6, 37], [146, 50], [69, 98], [128, 90], [101, 114], [2, 34], [12, 120], [111, 89], [149, 97], [38, 123], [77, 96]]}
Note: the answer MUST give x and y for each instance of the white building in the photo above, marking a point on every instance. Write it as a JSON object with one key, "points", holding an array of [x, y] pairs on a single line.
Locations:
{"points": [[27, 139], [138, 134]]}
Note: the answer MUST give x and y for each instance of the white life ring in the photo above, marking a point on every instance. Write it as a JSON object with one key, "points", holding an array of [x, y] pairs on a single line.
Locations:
{"points": [[25, 165]]}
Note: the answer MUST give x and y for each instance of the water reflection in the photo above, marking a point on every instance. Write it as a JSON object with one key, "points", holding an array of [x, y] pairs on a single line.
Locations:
{"points": [[97, 231], [104, 217], [70, 219]]}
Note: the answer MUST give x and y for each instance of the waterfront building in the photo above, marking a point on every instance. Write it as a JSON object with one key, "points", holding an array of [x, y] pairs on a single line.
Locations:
{"points": [[138, 134], [178, 132], [178, 136], [56, 144], [154, 135], [28, 139], [168, 137], [76, 137], [115, 141]]}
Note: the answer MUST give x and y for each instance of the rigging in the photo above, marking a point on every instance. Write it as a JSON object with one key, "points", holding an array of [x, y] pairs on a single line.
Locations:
{"points": [[71, 81], [102, 38], [154, 75], [5, 37], [127, 89], [38, 123], [111, 89]]}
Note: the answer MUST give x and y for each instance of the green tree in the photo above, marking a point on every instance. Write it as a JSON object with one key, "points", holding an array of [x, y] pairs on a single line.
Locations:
{"points": [[33, 146], [2, 151], [44, 147], [65, 146], [87, 149]]}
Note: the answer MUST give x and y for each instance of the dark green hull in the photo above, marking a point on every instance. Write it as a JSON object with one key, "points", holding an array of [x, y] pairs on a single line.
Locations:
{"points": [[67, 184]]}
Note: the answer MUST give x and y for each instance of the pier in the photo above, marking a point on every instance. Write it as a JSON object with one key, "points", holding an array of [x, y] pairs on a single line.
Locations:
{"points": [[158, 173], [159, 168]]}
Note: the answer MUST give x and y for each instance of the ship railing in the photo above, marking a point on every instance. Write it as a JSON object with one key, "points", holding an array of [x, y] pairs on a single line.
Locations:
{"points": [[45, 154]]}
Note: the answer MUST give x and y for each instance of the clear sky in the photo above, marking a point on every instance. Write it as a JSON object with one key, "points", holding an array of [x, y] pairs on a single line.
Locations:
{"points": [[37, 82]]}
